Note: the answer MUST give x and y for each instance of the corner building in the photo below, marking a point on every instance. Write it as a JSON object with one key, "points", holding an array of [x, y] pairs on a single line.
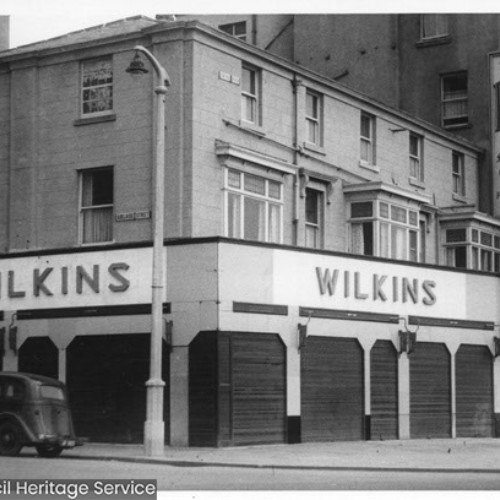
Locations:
{"points": [[328, 275]]}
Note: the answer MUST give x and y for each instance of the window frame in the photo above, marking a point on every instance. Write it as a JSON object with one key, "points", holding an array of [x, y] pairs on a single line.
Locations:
{"points": [[480, 255], [82, 210], [458, 177], [314, 122], [108, 110], [369, 141], [437, 33], [242, 194], [248, 96], [450, 121], [231, 29], [318, 226], [385, 222], [416, 159]]}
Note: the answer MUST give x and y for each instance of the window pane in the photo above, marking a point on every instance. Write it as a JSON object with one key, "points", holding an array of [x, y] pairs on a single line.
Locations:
{"points": [[97, 225], [398, 214], [274, 223], [102, 187], [233, 215], [414, 150], [455, 235], [362, 238], [312, 205], [384, 210], [312, 106], [274, 190], [365, 126], [362, 209], [413, 246], [413, 218], [254, 219], [234, 179], [486, 239], [248, 81], [384, 240], [475, 258], [312, 132], [248, 108], [398, 243], [485, 260], [255, 184], [366, 151]]}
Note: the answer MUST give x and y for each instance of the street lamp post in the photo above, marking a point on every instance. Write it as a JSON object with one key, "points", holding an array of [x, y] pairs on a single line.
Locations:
{"points": [[154, 427]]}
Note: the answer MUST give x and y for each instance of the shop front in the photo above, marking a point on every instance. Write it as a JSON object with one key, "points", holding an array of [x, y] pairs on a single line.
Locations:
{"points": [[83, 317], [371, 349], [262, 343]]}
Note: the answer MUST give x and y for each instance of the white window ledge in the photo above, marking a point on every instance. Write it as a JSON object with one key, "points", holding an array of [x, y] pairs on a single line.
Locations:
{"points": [[314, 148], [369, 166], [416, 182], [460, 198]]}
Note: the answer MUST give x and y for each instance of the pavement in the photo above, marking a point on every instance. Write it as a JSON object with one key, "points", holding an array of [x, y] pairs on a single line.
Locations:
{"points": [[465, 454]]}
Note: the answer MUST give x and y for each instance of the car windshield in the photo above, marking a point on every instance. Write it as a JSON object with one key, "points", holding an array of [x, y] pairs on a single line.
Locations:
{"points": [[52, 392]]}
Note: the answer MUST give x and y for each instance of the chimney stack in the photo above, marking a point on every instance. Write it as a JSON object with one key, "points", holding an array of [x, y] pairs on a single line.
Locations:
{"points": [[4, 32]]}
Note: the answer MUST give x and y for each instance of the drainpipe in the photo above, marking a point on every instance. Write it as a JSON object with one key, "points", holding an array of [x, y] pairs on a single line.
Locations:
{"points": [[296, 84]]}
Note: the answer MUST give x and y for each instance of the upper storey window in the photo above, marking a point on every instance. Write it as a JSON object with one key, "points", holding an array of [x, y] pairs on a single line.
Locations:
{"points": [[313, 118], [454, 100], [253, 207], [97, 87], [367, 139], [385, 230], [96, 205], [238, 30], [433, 26], [250, 90], [416, 163]]}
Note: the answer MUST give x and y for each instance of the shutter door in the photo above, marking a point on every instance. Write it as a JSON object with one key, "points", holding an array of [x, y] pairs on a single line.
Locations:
{"points": [[332, 390], [259, 388], [106, 378], [384, 390], [474, 391], [430, 391]]}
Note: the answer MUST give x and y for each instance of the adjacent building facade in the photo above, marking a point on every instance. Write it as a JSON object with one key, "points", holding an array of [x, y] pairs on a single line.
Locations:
{"points": [[328, 273]]}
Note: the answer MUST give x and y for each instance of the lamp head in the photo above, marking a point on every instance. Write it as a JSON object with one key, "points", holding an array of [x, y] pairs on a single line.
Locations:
{"points": [[136, 66]]}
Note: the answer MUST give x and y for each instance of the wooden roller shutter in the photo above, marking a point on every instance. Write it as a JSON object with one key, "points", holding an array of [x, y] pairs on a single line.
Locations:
{"points": [[384, 390], [474, 391], [258, 388], [332, 389], [430, 391], [203, 390]]}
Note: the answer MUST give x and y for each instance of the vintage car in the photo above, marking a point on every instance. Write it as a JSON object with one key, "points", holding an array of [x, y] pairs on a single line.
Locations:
{"points": [[34, 411]]}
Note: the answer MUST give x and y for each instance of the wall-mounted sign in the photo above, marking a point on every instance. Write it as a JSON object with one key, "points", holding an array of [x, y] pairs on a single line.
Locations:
{"points": [[295, 278], [128, 216], [109, 277]]}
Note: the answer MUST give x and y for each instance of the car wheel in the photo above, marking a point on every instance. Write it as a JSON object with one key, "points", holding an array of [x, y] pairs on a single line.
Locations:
{"points": [[49, 451], [10, 439]]}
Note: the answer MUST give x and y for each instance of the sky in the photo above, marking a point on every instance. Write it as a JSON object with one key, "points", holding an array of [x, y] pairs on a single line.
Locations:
{"points": [[35, 20]]}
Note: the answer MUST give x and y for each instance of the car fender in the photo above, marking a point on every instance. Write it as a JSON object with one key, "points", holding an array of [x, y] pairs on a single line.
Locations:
{"points": [[28, 436]]}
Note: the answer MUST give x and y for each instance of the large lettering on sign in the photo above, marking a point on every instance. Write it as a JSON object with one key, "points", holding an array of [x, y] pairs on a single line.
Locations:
{"points": [[377, 287], [51, 281]]}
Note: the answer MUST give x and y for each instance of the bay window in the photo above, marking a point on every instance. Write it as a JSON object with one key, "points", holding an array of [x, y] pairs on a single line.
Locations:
{"points": [[472, 248], [384, 229]]}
